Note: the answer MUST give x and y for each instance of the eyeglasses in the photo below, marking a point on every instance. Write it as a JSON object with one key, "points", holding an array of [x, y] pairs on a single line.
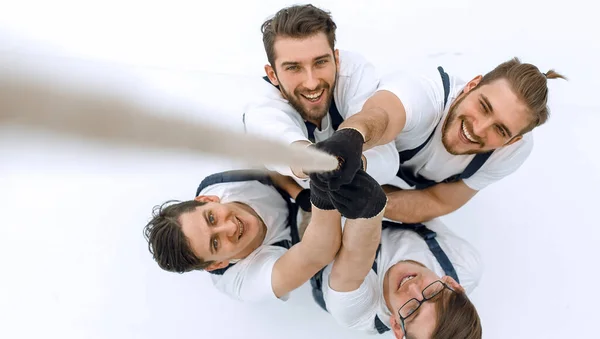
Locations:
{"points": [[413, 304]]}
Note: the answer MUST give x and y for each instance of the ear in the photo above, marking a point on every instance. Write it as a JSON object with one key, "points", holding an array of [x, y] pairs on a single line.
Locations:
{"points": [[513, 140], [270, 71], [217, 265], [396, 328], [207, 198], [472, 84], [453, 284], [336, 55]]}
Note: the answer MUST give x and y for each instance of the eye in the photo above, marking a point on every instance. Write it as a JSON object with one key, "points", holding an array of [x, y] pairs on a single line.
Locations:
{"points": [[292, 68], [211, 218], [483, 107], [500, 131], [321, 62], [215, 244]]}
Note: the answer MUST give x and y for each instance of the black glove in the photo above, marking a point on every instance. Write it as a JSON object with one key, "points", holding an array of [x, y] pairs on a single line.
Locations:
{"points": [[346, 144], [361, 198], [303, 200], [319, 195]]}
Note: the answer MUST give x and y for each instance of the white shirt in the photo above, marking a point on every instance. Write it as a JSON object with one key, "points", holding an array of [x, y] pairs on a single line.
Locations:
{"points": [[271, 116], [357, 309], [250, 278], [422, 96]]}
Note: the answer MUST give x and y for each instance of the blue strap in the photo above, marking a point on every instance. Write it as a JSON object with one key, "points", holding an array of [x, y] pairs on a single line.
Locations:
{"points": [[247, 175], [334, 114], [429, 237], [419, 182]]}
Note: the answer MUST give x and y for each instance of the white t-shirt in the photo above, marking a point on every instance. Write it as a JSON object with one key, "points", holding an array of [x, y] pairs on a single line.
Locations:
{"points": [[357, 309], [271, 116], [250, 278], [422, 96]]}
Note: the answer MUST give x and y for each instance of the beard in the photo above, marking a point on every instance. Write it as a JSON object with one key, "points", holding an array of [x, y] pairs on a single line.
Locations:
{"points": [[307, 114], [455, 118]]}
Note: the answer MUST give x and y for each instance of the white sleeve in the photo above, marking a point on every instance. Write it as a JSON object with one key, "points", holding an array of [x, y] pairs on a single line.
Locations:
{"points": [[503, 162], [360, 83], [250, 279], [423, 100], [356, 309], [383, 162], [274, 123]]}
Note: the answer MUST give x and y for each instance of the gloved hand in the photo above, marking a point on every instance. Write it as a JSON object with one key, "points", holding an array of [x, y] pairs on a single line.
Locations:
{"points": [[303, 200], [319, 195], [361, 198], [346, 144]]}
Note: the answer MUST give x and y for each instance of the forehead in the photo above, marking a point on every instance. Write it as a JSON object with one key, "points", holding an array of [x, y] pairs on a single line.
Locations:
{"points": [[301, 50], [508, 108], [195, 228], [422, 324]]}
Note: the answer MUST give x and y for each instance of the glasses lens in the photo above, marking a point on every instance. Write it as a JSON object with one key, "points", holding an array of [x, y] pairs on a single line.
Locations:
{"points": [[433, 289], [409, 308]]}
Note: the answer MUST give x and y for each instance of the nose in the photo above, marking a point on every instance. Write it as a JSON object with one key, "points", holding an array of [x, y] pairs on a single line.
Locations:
{"points": [[415, 291], [229, 228], [311, 82], [481, 125]]}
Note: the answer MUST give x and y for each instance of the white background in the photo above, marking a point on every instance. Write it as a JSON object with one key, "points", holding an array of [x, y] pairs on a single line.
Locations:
{"points": [[73, 260]]}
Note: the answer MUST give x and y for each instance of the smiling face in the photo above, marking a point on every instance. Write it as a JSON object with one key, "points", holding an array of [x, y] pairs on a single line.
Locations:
{"points": [[406, 280], [484, 118], [221, 232], [305, 70]]}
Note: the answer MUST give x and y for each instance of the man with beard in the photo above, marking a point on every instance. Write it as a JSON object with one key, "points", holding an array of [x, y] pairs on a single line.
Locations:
{"points": [[454, 137], [310, 88]]}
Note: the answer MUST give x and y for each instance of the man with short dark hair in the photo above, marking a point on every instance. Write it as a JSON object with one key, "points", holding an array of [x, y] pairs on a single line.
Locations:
{"points": [[310, 88], [241, 229]]}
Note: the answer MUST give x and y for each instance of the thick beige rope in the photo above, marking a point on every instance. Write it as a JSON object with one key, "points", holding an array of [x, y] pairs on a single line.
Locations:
{"points": [[40, 94]]}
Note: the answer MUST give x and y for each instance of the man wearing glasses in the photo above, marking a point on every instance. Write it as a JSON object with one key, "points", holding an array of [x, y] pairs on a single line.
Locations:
{"points": [[414, 283]]}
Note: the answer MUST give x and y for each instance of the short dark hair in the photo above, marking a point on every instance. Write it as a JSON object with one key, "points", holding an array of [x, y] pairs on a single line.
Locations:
{"points": [[298, 21], [167, 243]]}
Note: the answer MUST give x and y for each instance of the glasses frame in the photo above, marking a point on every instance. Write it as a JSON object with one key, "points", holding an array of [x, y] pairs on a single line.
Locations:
{"points": [[402, 319]]}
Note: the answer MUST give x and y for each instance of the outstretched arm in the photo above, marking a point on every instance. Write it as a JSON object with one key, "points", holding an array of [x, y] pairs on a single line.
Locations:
{"points": [[412, 206], [319, 245], [381, 119]]}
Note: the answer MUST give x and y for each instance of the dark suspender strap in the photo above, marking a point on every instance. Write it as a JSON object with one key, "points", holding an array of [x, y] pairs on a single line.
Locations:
{"points": [[429, 237], [409, 154], [445, 83], [234, 176], [379, 325], [421, 182], [334, 114], [475, 164], [262, 177]]}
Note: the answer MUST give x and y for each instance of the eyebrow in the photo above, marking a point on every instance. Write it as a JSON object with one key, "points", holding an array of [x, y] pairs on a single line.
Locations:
{"points": [[491, 109], [292, 63], [210, 239]]}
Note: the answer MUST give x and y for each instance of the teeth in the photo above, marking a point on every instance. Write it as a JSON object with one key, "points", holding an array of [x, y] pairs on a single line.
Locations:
{"points": [[469, 137], [240, 228], [313, 96], [410, 277]]}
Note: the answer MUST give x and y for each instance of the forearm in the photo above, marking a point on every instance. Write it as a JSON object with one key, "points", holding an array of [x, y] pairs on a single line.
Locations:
{"points": [[360, 240], [323, 236], [317, 249], [372, 123], [286, 183], [413, 206]]}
